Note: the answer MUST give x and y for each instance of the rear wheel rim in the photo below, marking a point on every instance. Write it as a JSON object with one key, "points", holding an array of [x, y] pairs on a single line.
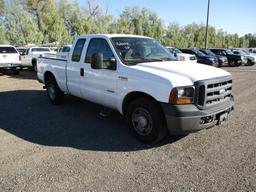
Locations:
{"points": [[142, 121], [51, 91]]}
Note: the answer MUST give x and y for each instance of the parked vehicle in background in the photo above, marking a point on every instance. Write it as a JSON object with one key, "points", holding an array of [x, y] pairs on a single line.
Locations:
{"points": [[202, 58], [252, 51], [233, 60], [250, 58], [63, 52], [138, 77], [10, 59], [31, 56], [181, 56], [222, 60], [22, 51]]}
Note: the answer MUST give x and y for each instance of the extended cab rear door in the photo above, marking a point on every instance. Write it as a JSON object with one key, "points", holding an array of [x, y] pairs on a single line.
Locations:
{"points": [[74, 68]]}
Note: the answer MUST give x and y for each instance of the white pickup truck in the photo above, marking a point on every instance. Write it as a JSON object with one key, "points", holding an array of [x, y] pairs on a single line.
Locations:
{"points": [[138, 77], [63, 52], [182, 56], [10, 59], [31, 55]]}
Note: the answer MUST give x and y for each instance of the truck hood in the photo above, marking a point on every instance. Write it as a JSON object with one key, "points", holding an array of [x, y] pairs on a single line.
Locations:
{"points": [[188, 70]]}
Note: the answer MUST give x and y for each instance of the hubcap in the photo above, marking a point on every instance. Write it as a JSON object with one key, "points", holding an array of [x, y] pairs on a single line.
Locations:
{"points": [[51, 91], [142, 121]]}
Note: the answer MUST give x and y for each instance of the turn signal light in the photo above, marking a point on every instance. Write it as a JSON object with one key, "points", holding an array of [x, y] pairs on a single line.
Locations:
{"points": [[182, 95], [184, 100]]}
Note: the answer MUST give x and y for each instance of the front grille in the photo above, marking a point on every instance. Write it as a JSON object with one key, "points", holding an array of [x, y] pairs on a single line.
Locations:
{"points": [[212, 92]]}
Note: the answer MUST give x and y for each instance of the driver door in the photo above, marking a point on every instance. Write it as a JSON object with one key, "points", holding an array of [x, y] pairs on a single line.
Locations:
{"points": [[99, 85]]}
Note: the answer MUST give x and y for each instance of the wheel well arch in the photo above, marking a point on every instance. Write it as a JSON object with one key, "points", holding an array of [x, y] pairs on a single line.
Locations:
{"points": [[135, 95], [34, 61], [48, 75]]}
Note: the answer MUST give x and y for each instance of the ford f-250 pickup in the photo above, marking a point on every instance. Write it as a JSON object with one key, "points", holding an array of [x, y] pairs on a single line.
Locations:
{"points": [[138, 77]]}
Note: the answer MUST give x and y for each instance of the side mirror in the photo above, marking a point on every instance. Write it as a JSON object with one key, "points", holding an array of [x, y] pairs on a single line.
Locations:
{"points": [[97, 61], [112, 63]]}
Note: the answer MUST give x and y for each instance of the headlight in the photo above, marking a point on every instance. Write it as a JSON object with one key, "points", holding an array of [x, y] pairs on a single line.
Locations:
{"points": [[182, 95], [242, 57]]}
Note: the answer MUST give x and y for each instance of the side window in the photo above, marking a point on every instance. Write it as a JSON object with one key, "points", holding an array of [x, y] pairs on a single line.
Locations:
{"points": [[218, 52], [78, 50], [98, 45], [184, 51], [188, 51], [27, 51]]}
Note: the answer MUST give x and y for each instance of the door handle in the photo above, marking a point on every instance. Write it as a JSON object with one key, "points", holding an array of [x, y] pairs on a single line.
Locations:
{"points": [[81, 71]]}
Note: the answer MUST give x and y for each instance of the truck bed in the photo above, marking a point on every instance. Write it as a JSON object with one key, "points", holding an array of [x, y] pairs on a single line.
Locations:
{"points": [[53, 65]]}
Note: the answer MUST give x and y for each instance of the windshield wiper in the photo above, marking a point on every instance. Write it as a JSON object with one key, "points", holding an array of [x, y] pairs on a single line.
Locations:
{"points": [[151, 59], [167, 59]]}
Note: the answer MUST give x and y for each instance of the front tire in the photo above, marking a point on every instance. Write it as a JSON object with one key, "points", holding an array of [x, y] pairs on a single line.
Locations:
{"points": [[146, 121], [54, 93], [249, 63]]}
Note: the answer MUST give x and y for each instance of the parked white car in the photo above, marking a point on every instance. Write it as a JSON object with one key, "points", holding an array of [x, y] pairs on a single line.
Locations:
{"points": [[138, 77], [63, 52], [182, 56], [10, 59], [252, 51], [31, 56], [251, 59]]}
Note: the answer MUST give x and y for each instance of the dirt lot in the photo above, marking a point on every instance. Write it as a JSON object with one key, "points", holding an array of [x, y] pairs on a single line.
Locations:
{"points": [[71, 148]]}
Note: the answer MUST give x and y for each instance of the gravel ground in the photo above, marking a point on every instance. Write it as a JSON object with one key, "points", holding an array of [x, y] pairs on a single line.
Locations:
{"points": [[71, 148]]}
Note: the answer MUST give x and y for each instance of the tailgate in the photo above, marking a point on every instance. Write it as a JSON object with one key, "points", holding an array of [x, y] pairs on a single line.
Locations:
{"points": [[9, 54], [9, 58]]}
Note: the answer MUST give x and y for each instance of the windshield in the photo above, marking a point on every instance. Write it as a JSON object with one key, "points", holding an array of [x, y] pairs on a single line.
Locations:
{"points": [[239, 52], [177, 50], [40, 49], [229, 52], [134, 50], [208, 52], [246, 52], [199, 53]]}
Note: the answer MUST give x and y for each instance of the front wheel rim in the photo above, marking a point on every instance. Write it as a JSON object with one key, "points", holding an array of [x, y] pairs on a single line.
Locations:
{"points": [[142, 121]]}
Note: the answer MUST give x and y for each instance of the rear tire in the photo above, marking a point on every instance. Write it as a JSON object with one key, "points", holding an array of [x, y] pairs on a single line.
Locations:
{"points": [[232, 63], [34, 65], [15, 72], [54, 93], [146, 121]]}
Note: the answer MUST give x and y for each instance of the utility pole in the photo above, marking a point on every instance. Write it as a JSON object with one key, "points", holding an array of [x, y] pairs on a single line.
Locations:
{"points": [[207, 22]]}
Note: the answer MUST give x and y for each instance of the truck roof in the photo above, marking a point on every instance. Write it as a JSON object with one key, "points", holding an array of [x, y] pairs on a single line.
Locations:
{"points": [[6, 46], [111, 35]]}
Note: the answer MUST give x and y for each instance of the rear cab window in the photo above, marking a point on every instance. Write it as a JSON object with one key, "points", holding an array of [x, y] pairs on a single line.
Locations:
{"points": [[40, 49], [7, 50], [76, 55], [65, 49]]}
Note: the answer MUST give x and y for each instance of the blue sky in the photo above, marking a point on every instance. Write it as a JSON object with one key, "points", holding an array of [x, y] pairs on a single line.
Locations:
{"points": [[233, 16]]}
